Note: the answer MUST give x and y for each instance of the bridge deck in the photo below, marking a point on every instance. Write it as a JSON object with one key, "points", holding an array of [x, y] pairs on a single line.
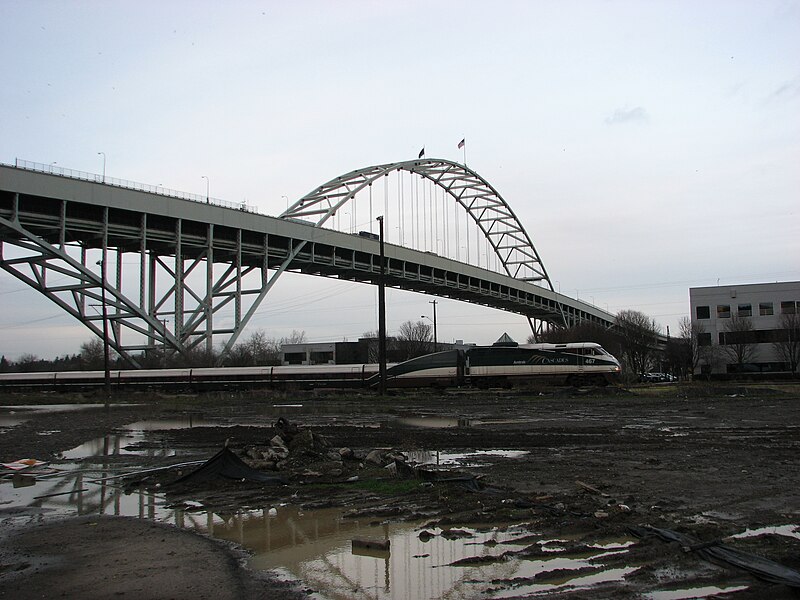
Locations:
{"points": [[61, 212]]}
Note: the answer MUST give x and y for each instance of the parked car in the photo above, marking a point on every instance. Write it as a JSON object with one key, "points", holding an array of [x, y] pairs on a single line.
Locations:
{"points": [[658, 378]]}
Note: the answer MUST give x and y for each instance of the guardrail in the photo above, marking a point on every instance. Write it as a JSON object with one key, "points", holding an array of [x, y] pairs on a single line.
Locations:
{"points": [[130, 185]]}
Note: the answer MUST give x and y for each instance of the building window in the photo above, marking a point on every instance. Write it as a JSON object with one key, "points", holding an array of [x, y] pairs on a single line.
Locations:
{"points": [[745, 310], [765, 309], [703, 312], [321, 358], [703, 339], [723, 311], [294, 358], [788, 307]]}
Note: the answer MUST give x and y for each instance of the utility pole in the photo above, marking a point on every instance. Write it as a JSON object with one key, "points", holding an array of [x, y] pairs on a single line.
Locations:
{"points": [[106, 359], [382, 313], [165, 321], [435, 337]]}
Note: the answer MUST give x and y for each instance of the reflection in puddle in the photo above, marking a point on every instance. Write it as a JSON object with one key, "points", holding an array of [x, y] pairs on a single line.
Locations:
{"points": [[56, 408], [121, 443], [11, 416], [567, 583], [463, 459], [317, 546], [792, 531], [433, 422], [11, 420], [699, 592], [184, 422]]}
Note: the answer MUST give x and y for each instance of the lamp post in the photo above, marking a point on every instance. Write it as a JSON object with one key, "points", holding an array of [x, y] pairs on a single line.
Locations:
{"points": [[382, 313], [104, 165], [287, 202], [106, 360], [435, 336], [207, 188]]}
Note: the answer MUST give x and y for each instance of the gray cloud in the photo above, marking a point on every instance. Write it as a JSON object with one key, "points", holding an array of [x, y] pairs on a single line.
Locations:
{"points": [[628, 115]]}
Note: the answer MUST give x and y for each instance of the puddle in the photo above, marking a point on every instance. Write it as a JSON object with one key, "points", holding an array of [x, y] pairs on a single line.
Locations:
{"points": [[56, 408], [316, 546], [580, 582], [123, 443], [12, 420], [462, 459], [433, 422], [699, 592], [185, 422], [791, 531], [11, 416]]}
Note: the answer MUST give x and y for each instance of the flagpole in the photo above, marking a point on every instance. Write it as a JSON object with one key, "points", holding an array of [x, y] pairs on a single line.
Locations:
{"points": [[465, 152]]}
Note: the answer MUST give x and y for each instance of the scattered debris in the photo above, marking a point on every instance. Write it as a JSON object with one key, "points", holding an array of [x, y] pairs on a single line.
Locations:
{"points": [[371, 544], [717, 552], [23, 463], [591, 488], [225, 464]]}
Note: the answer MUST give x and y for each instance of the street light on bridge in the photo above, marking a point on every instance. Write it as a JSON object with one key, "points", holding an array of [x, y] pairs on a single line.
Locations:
{"points": [[104, 165], [208, 187]]}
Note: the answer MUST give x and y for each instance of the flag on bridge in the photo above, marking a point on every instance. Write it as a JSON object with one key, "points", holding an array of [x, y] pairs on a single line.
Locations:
{"points": [[461, 143], [421, 152]]}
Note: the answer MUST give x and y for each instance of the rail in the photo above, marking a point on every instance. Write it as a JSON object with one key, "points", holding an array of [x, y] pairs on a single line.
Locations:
{"points": [[131, 185]]}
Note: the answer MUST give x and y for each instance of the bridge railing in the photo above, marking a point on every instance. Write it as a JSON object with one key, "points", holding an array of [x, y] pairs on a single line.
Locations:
{"points": [[131, 185]]}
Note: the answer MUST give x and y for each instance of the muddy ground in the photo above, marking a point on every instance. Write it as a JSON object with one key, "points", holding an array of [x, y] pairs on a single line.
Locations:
{"points": [[706, 461]]}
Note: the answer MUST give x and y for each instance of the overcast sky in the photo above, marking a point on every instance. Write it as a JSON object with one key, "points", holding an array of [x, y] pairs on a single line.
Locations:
{"points": [[647, 147]]}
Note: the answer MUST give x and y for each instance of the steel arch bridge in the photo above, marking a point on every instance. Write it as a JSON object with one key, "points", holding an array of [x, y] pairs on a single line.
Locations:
{"points": [[484, 205], [198, 257]]}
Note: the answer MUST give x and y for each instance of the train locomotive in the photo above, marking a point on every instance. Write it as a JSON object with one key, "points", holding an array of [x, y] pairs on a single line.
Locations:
{"points": [[481, 366], [575, 363]]}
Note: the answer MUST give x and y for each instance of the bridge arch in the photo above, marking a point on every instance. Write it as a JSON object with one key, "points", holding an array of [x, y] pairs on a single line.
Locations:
{"points": [[483, 204]]}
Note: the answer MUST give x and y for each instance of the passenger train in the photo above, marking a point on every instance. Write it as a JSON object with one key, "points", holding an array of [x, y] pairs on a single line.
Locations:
{"points": [[481, 366]]}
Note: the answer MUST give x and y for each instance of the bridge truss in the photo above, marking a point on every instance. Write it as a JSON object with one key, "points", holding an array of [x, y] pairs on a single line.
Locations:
{"points": [[200, 273]]}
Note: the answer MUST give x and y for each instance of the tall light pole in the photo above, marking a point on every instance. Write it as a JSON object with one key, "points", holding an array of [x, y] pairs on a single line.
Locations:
{"points": [[435, 336], [208, 187], [104, 165], [382, 313], [287, 201], [106, 360]]}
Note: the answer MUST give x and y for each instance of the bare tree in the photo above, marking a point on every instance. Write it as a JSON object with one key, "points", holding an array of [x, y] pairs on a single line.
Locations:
{"points": [[296, 337], [638, 336], [372, 346], [738, 340], [92, 355], [264, 350], [414, 339], [685, 350], [27, 363], [788, 346], [259, 350]]}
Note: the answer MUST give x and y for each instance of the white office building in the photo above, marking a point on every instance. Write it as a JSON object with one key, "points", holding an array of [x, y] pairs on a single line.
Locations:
{"points": [[742, 326]]}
